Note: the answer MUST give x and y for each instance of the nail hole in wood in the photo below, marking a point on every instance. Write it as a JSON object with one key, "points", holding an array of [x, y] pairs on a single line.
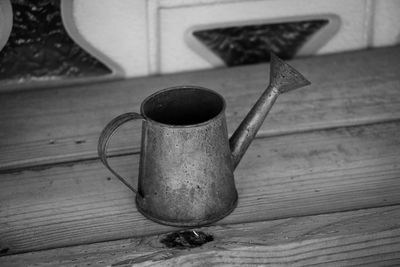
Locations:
{"points": [[4, 250]]}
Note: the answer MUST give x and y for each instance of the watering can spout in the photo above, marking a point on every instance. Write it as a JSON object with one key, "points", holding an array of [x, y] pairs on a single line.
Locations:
{"points": [[283, 78]]}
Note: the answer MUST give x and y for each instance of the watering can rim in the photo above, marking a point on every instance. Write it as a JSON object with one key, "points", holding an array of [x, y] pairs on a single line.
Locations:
{"points": [[183, 87]]}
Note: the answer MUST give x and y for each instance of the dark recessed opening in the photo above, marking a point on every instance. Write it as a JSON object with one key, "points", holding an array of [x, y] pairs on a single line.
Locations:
{"points": [[183, 106], [251, 44], [186, 239]]}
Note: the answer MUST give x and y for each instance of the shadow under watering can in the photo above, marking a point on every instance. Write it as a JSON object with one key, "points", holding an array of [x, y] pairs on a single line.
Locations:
{"points": [[187, 160]]}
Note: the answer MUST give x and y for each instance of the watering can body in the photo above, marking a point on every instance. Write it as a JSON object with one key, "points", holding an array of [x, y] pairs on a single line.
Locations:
{"points": [[186, 172], [187, 160]]}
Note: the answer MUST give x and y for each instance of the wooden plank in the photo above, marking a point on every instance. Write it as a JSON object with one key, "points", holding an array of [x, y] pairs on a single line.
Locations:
{"points": [[59, 125], [282, 176], [363, 237]]}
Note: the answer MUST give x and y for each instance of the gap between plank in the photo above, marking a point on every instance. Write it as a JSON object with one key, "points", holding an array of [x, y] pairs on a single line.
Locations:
{"points": [[341, 212], [121, 152]]}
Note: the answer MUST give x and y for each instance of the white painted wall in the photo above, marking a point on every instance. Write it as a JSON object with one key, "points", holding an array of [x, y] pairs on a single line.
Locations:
{"points": [[176, 56], [147, 36], [116, 28], [386, 23]]}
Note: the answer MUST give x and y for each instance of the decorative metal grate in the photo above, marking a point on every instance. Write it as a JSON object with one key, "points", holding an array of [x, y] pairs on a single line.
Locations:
{"points": [[39, 47], [251, 44]]}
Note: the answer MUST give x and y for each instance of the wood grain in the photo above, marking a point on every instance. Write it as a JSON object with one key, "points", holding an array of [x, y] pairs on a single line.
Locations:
{"points": [[282, 176], [63, 124], [369, 237]]}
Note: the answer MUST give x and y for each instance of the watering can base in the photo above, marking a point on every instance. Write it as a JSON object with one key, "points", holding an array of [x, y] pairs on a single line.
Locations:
{"points": [[180, 223]]}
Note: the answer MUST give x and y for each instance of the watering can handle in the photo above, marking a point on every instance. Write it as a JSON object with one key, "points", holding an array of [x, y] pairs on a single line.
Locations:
{"points": [[105, 136]]}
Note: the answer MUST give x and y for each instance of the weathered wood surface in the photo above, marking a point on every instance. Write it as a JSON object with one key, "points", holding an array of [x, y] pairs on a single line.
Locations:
{"points": [[59, 125], [369, 237], [282, 176], [328, 148]]}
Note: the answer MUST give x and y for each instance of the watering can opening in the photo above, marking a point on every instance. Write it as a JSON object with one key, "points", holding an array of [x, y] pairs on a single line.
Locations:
{"points": [[284, 77], [183, 106]]}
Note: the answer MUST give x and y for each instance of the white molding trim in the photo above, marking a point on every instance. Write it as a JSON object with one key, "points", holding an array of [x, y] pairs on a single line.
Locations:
{"points": [[6, 21], [67, 16], [154, 8], [153, 25], [153, 36], [316, 41], [369, 21]]}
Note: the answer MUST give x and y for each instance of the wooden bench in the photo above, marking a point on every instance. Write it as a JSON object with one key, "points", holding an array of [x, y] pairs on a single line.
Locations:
{"points": [[319, 185]]}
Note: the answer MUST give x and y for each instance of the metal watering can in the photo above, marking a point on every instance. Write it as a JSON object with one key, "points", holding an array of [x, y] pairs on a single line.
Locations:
{"points": [[187, 160]]}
